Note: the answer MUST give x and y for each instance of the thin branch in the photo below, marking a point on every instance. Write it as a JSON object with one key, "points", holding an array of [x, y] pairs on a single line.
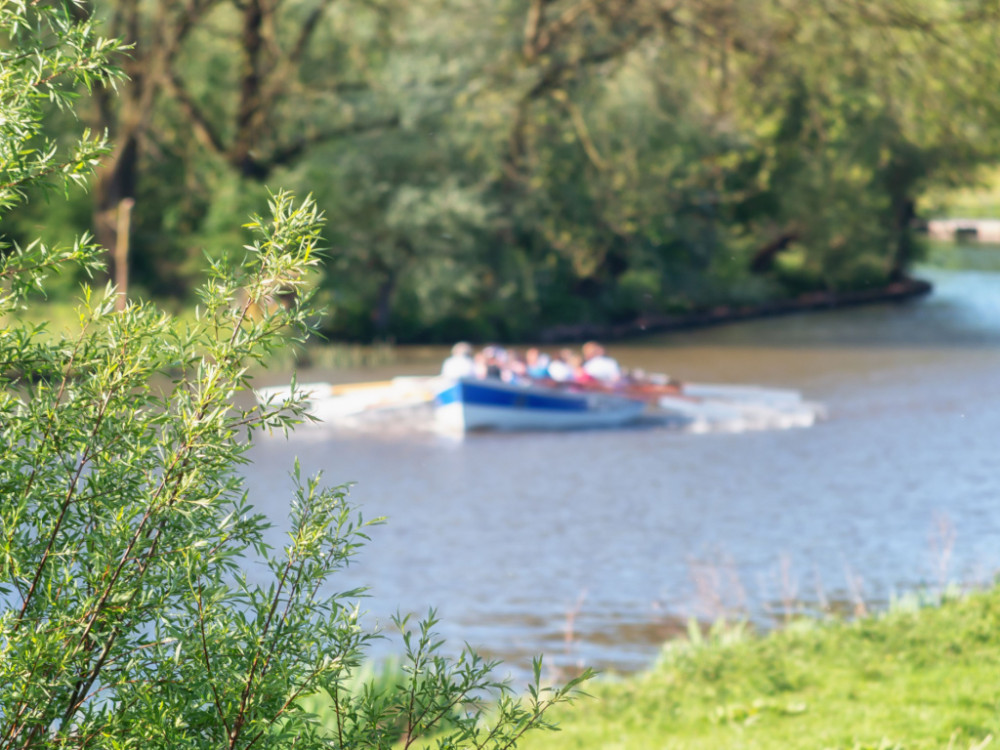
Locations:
{"points": [[67, 501], [277, 82], [531, 26], [284, 706], [583, 133], [208, 663], [548, 35], [252, 675], [307, 30], [203, 130], [287, 153]]}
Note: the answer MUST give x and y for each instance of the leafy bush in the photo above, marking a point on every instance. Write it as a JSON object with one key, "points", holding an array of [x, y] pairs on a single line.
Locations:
{"points": [[126, 616]]}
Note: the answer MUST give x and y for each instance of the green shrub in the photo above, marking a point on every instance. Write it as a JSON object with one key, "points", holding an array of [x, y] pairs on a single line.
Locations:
{"points": [[126, 617]]}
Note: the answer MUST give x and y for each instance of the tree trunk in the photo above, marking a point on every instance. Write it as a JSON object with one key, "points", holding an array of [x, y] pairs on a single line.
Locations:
{"points": [[116, 182], [121, 253], [382, 314], [904, 211], [249, 115]]}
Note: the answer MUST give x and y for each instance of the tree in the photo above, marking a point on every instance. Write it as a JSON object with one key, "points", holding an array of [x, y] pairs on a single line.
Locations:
{"points": [[126, 618], [494, 168], [251, 87], [712, 151]]}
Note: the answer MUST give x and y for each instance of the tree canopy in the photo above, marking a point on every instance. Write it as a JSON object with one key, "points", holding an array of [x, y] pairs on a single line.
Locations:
{"points": [[490, 168]]}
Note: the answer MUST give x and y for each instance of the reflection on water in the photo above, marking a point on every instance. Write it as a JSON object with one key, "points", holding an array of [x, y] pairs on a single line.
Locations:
{"points": [[966, 256], [595, 546]]}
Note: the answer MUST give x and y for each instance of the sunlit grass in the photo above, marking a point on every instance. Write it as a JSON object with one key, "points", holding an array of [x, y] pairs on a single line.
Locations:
{"points": [[978, 201], [58, 317], [61, 317], [905, 679]]}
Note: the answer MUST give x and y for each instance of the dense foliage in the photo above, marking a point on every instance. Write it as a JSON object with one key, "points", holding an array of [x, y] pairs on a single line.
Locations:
{"points": [[489, 168], [139, 604]]}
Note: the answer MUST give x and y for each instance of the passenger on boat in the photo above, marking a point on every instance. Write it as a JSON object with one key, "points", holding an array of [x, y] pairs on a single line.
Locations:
{"points": [[516, 370], [480, 365], [537, 364], [580, 374], [560, 369], [598, 365], [460, 364], [493, 362]]}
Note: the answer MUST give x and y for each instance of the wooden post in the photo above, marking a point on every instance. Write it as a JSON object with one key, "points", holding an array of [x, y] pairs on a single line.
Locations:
{"points": [[121, 252]]}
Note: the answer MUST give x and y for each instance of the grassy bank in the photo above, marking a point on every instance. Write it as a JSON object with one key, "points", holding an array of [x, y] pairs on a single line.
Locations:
{"points": [[980, 200], [63, 317], [927, 678]]}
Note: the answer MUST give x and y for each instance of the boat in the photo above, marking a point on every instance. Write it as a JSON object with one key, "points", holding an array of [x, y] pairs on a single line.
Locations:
{"points": [[470, 404], [417, 404]]}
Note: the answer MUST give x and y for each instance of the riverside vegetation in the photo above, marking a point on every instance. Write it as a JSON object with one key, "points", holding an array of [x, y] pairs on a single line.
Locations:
{"points": [[493, 168], [920, 675], [139, 604], [913, 677]]}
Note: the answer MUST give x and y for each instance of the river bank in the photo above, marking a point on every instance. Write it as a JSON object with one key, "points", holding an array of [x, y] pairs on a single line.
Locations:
{"points": [[63, 316], [899, 291], [909, 678]]}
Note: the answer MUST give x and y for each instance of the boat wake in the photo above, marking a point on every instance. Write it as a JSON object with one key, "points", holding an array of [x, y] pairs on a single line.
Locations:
{"points": [[703, 408]]}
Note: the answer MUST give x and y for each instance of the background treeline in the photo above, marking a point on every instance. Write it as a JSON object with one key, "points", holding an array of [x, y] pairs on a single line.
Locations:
{"points": [[490, 168]]}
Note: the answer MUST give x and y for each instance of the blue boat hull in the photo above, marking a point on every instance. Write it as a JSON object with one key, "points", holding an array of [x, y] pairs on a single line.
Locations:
{"points": [[472, 404]]}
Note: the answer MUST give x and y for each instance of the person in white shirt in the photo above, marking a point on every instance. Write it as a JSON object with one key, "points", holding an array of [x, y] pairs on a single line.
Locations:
{"points": [[559, 368], [460, 364], [599, 365]]}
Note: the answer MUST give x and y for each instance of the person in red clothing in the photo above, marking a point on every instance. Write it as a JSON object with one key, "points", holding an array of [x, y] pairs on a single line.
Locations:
{"points": [[580, 374]]}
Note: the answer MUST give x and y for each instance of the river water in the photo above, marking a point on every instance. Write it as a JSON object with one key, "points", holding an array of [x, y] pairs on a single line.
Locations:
{"points": [[594, 547]]}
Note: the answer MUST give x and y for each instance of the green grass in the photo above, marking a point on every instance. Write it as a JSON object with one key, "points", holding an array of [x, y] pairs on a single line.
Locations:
{"points": [[927, 678], [978, 201], [59, 317], [62, 317]]}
